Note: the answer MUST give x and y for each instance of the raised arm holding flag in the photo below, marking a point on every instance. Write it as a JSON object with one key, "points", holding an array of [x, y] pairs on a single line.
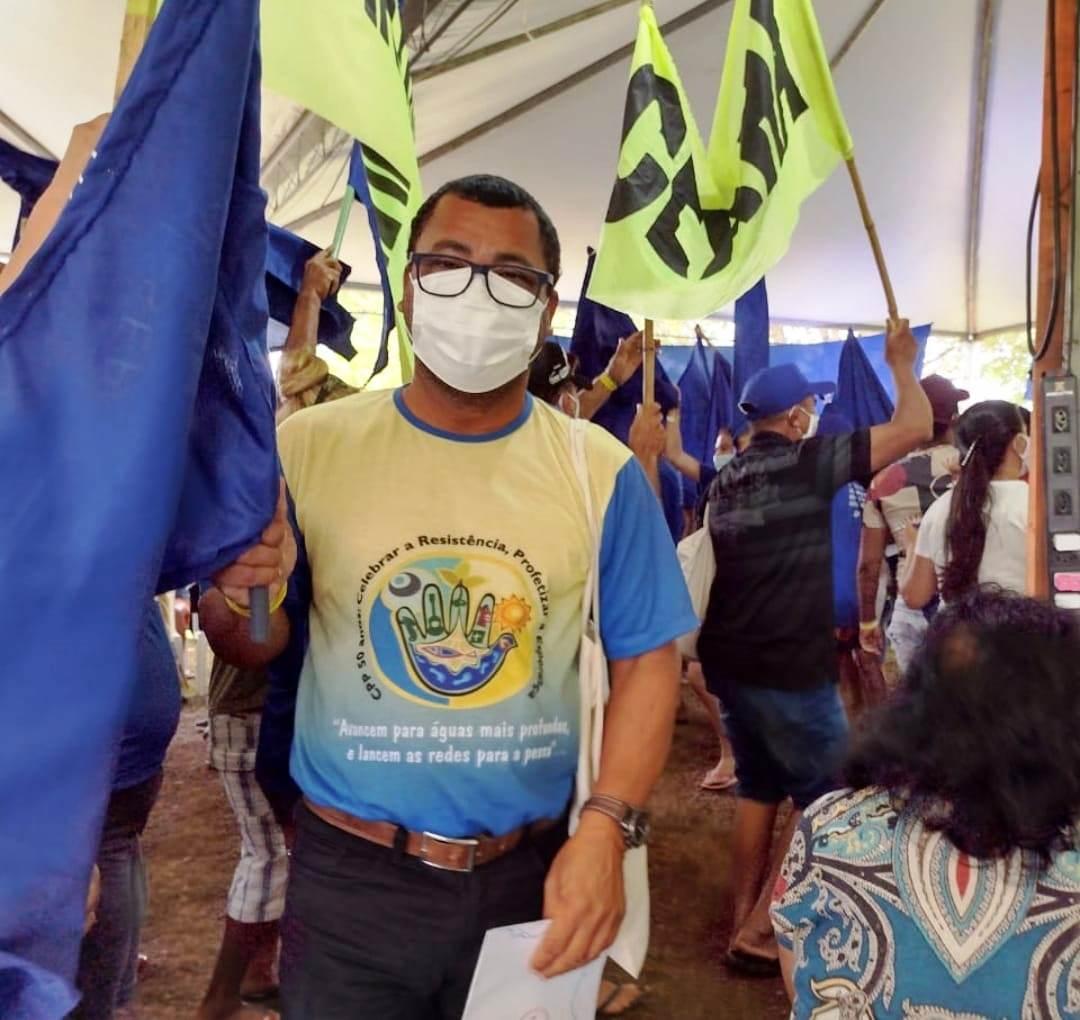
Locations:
{"points": [[349, 64]]}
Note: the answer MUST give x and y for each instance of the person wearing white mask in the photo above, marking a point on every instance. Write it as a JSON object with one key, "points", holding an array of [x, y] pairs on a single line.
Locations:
{"points": [[976, 534], [433, 582], [767, 643], [554, 377]]}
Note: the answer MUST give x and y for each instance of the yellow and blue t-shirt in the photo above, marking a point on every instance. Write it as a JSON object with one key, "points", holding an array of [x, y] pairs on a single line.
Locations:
{"points": [[437, 609]]}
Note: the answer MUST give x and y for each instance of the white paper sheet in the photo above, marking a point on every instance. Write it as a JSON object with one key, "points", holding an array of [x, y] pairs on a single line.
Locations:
{"points": [[505, 987]]}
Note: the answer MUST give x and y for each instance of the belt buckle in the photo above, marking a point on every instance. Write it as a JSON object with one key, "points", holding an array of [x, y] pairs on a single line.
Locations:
{"points": [[472, 845]]}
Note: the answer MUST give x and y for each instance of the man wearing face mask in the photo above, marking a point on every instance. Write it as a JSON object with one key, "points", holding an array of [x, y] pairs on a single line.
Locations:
{"points": [[430, 635], [767, 642]]}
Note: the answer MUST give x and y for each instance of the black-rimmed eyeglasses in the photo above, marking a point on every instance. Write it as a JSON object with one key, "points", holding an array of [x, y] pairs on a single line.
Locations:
{"points": [[449, 276]]}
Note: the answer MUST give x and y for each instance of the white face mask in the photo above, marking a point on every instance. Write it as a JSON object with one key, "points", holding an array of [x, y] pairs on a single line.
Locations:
{"points": [[471, 342], [815, 420], [721, 460]]}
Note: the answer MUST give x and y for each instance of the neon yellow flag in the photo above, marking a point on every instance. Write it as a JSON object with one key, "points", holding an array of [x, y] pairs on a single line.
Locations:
{"points": [[689, 230], [346, 61]]}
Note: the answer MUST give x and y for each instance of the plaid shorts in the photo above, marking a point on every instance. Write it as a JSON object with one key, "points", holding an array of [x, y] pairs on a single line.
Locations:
{"points": [[257, 893]]}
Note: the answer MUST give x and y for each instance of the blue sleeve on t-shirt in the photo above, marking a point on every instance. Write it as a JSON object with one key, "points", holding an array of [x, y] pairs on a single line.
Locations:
{"points": [[644, 603], [279, 712]]}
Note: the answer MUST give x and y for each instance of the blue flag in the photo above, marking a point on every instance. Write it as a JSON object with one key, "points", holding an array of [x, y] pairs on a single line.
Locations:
{"points": [[861, 396], [751, 344], [136, 434], [28, 176], [705, 408], [705, 401], [846, 527], [286, 256], [597, 332], [358, 181]]}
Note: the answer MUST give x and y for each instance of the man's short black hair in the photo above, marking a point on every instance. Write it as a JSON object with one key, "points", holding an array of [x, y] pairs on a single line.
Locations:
{"points": [[495, 193]]}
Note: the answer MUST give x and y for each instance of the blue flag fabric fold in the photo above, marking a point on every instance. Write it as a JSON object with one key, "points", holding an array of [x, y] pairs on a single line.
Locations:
{"points": [[861, 397], [358, 181], [597, 332], [27, 175], [861, 402], [705, 408], [136, 434], [286, 256], [751, 344]]}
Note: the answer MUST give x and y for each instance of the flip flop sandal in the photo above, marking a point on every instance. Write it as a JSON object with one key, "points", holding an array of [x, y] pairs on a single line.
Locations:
{"points": [[261, 998], [750, 965]]}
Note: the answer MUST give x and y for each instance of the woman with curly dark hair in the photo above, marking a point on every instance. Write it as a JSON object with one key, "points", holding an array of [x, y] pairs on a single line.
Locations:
{"points": [[946, 881], [977, 532]]}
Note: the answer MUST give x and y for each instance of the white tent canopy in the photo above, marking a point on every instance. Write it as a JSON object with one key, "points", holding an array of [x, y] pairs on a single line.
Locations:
{"points": [[547, 112]]}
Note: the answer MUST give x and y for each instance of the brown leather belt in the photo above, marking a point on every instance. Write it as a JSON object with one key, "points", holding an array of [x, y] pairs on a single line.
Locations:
{"points": [[442, 852]]}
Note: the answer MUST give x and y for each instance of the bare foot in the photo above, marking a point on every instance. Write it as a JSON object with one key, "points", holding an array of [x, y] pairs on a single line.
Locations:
{"points": [[721, 776], [615, 999], [755, 945]]}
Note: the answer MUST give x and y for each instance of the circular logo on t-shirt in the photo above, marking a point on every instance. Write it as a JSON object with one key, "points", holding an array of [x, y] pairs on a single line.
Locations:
{"points": [[454, 631]]}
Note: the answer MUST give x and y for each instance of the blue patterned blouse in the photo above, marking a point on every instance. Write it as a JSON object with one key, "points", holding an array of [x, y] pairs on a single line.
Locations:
{"points": [[887, 919]]}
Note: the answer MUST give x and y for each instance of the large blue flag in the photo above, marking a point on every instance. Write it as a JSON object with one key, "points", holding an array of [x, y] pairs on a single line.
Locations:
{"points": [[286, 256], [136, 435], [751, 344], [861, 402], [705, 408], [597, 332], [28, 176], [358, 181], [861, 396], [846, 527]]}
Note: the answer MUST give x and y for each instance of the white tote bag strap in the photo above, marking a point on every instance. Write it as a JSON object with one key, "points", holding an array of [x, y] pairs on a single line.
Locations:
{"points": [[632, 942], [590, 604]]}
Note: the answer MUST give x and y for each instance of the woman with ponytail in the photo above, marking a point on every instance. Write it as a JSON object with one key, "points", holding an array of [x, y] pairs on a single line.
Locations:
{"points": [[976, 534]]}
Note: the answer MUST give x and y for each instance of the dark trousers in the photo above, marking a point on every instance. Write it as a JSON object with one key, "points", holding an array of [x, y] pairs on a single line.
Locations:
{"points": [[372, 932], [109, 956]]}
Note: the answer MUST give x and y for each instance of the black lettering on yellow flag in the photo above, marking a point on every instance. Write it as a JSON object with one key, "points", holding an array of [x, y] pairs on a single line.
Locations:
{"points": [[686, 227]]}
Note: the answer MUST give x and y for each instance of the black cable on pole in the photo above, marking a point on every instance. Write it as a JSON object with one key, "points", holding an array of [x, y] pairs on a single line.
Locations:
{"points": [[1028, 260], [1069, 339], [1055, 181]]}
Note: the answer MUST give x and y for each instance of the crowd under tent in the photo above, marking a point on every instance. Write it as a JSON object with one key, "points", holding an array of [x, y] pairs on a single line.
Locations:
{"points": [[943, 101]]}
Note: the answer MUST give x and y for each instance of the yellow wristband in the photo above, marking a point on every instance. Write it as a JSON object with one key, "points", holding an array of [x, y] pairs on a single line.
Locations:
{"points": [[866, 626], [607, 382], [240, 610]]}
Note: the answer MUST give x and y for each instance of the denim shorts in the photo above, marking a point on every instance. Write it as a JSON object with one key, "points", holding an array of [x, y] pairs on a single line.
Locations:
{"points": [[786, 743]]}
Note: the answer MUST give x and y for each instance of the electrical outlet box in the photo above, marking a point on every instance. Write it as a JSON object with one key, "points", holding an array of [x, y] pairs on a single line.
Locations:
{"points": [[1061, 444]]}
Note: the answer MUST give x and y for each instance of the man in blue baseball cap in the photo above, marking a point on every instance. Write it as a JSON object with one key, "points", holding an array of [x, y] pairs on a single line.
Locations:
{"points": [[767, 643], [773, 392]]}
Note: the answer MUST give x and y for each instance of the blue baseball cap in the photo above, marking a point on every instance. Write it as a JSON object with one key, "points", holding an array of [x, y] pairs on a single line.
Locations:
{"points": [[773, 390]]}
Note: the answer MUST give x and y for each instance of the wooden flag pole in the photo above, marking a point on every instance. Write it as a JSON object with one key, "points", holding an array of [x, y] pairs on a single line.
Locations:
{"points": [[138, 20], [875, 243], [648, 365]]}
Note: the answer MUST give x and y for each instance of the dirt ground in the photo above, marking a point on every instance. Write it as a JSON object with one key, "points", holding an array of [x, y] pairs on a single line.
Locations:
{"points": [[191, 850]]}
